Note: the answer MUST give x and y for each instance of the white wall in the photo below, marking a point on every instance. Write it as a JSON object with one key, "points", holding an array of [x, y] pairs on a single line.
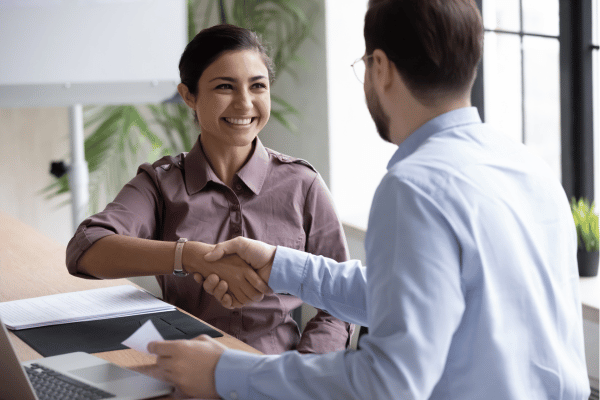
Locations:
{"points": [[31, 138]]}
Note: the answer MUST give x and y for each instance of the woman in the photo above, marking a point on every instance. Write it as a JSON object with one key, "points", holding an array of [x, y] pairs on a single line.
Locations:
{"points": [[228, 185]]}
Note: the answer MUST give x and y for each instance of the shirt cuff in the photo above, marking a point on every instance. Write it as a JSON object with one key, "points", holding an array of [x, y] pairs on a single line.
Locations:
{"points": [[231, 373], [288, 271]]}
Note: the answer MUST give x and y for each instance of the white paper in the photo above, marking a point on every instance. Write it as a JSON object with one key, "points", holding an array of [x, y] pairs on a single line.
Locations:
{"points": [[142, 336], [86, 305]]}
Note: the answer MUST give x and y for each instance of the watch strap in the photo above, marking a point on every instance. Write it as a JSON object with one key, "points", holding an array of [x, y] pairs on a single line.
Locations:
{"points": [[178, 266]]}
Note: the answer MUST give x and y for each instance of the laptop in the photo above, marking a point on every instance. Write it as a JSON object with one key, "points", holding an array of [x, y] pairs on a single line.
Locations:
{"points": [[95, 378]]}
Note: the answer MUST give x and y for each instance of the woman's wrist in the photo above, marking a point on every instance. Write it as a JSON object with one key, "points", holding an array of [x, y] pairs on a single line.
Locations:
{"points": [[193, 257]]}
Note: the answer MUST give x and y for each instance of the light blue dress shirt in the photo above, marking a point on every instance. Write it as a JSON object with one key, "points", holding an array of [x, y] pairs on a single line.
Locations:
{"points": [[471, 290]]}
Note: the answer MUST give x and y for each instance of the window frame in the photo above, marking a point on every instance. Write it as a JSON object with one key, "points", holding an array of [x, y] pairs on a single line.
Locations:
{"points": [[576, 95]]}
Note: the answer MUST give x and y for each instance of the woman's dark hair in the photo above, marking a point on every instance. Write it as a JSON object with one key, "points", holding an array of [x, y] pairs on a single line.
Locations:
{"points": [[209, 44], [436, 45]]}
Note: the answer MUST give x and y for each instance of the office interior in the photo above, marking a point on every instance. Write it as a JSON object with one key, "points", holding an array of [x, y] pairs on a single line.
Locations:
{"points": [[33, 137]]}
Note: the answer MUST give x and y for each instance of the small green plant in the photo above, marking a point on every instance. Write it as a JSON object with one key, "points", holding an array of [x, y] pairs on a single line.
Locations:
{"points": [[586, 222]]}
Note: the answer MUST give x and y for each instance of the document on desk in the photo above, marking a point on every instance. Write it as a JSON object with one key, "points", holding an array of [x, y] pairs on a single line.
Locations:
{"points": [[87, 305]]}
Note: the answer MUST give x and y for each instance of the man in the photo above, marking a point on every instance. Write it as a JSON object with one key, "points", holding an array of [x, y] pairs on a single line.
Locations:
{"points": [[471, 290]]}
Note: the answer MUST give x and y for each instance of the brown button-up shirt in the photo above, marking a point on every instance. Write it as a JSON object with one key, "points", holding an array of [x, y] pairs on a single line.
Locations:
{"points": [[274, 198]]}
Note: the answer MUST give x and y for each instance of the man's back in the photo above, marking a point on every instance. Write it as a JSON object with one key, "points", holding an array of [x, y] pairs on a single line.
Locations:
{"points": [[521, 331]]}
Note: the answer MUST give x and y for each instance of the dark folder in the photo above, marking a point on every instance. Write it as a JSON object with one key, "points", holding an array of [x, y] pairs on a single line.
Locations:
{"points": [[107, 334]]}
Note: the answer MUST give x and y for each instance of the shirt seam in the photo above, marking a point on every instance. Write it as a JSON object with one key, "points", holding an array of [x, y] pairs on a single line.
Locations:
{"points": [[304, 211]]}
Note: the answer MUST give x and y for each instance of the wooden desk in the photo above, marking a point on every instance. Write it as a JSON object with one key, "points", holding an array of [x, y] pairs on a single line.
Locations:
{"points": [[33, 265]]}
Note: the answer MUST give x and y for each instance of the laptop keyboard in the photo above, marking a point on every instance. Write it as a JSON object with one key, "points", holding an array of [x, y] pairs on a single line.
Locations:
{"points": [[52, 385]]}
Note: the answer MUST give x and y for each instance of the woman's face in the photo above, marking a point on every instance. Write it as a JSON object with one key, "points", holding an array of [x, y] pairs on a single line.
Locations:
{"points": [[233, 102]]}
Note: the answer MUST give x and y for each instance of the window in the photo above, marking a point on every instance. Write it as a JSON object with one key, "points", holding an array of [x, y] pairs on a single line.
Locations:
{"points": [[540, 82], [358, 156], [521, 74]]}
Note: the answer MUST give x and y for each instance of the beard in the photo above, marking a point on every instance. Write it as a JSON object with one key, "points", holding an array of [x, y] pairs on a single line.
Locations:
{"points": [[380, 118]]}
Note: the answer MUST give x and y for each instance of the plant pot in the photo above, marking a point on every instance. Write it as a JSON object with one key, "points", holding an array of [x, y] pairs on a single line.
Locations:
{"points": [[587, 262]]}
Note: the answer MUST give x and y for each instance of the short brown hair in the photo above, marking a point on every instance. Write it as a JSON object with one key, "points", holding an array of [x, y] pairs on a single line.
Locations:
{"points": [[436, 45]]}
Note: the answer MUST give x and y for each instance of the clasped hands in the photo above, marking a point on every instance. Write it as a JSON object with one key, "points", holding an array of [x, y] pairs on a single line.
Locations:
{"points": [[236, 272]]}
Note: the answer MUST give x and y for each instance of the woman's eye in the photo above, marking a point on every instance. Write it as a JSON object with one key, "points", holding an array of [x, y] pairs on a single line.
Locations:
{"points": [[259, 85], [224, 86]]}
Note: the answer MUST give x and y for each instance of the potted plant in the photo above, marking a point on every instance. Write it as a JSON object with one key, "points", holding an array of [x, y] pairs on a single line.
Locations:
{"points": [[586, 223]]}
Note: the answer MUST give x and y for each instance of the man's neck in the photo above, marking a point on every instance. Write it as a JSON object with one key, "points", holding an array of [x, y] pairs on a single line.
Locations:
{"points": [[411, 118]]}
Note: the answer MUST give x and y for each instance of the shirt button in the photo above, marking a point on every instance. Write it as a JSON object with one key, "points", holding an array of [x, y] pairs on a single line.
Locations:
{"points": [[234, 395], [236, 229], [238, 187]]}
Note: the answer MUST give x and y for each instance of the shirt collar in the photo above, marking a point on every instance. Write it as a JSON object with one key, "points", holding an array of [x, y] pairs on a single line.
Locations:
{"points": [[199, 172], [449, 120]]}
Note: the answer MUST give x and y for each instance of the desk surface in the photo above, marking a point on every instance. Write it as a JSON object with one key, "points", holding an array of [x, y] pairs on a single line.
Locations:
{"points": [[33, 265]]}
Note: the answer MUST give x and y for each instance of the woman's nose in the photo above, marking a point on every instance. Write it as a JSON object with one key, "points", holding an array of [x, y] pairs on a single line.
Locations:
{"points": [[243, 101]]}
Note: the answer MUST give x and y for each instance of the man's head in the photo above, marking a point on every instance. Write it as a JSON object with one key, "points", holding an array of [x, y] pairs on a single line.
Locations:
{"points": [[435, 45]]}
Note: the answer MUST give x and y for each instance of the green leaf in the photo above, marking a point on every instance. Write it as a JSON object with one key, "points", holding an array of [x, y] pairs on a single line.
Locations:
{"points": [[586, 224]]}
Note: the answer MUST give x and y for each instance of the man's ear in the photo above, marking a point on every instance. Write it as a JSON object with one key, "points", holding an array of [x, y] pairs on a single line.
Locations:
{"points": [[383, 69], [185, 94]]}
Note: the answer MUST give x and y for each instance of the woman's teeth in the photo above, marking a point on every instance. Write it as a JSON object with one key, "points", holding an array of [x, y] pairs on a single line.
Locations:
{"points": [[239, 121]]}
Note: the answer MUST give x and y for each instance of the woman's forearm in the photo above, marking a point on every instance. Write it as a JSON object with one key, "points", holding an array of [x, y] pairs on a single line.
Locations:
{"points": [[118, 256]]}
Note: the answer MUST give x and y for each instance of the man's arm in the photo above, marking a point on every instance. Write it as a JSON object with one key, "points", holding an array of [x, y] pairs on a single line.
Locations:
{"points": [[338, 288]]}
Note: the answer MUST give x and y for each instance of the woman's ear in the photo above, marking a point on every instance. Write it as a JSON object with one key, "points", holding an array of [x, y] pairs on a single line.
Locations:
{"points": [[185, 94]]}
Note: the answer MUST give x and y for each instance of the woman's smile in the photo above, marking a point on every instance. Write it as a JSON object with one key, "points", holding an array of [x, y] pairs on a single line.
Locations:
{"points": [[239, 121]]}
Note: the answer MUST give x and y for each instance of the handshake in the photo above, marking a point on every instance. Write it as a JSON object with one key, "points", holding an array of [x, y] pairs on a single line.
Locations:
{"points": [[235, 272]]}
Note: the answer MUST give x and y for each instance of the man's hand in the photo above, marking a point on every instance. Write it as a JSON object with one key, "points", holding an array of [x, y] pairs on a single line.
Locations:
{"points": [[189, 364], [244, 284], [259, 255]]}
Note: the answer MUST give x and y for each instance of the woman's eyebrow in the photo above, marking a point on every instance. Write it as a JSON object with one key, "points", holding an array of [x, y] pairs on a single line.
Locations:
{"points": [[229, 79], [257, 78]]}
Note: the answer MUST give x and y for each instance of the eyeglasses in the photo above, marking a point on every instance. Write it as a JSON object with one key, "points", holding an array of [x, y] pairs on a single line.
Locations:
{"points": [[360, 68]]}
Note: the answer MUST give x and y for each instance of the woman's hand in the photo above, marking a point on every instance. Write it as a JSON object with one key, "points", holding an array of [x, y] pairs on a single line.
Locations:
{"points": [[219, 289], [243, 283], [259, 255], [189, 364]]}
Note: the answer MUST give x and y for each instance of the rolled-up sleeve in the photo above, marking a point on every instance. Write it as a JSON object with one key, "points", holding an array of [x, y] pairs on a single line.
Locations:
{"points": [[134, 212]]}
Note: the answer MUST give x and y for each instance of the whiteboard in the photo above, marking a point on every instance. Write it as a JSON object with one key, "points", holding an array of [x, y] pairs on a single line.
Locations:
{"points": [[62, 52]]}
